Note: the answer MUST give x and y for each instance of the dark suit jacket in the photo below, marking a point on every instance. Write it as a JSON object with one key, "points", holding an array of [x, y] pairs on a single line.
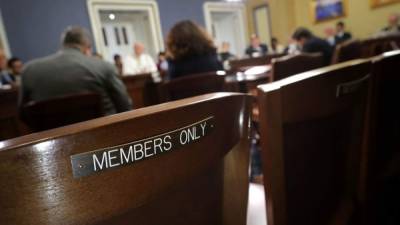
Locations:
{"points": [[194, 65], [315, 45], [69, 71], [345, 37], [6, 78], [263, 50]]}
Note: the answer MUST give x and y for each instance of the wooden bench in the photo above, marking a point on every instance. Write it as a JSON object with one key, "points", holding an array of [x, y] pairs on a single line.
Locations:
{"points": [[311, 137], [184, 162], [141, 89], [376, 46], [293, 64], [382, 165], [346, 51], [240, 65], [190, 86], [61, 111], [9, 122]]}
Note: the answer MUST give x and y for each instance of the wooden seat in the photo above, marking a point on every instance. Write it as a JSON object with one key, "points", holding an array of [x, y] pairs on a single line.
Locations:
{"points": [[9, 123], [290, 65], [61, 111], [184, 162], [376, 46], [311, 128], [383, 155], [242, 64], [190, 86], [141, 89], [346, 51]]}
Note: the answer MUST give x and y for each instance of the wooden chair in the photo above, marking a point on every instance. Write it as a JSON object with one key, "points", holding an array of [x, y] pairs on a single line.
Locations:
{"points": [[174, 173], [9, 123], [242, 64], [376, 46], [311, 137], [61, 111], [141, 89], [190, 86], [290, 65], [346, 51], [383, 156]]}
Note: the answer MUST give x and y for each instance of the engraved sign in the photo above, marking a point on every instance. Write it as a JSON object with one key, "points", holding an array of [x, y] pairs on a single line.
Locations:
{"points": [[92, 162]]}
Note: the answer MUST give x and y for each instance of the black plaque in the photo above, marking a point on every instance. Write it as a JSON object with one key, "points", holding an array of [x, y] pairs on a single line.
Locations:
{"points": [[97, 161]]}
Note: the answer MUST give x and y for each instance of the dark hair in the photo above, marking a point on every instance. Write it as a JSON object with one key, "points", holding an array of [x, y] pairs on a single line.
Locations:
{"points": [[340, 23], [186, 39], [274, 39], [116, 56], [11, 61], [76, 36], [302, 33]]}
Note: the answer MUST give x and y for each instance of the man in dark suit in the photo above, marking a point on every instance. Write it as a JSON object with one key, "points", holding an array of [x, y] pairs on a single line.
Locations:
{"points": [[312, 44], [256, 49], [5, 77], [341, 35], [70, 71]]}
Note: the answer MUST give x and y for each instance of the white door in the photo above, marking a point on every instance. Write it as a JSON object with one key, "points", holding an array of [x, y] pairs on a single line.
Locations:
{"points": [[118, 39], [262, 24], [227, 23]]}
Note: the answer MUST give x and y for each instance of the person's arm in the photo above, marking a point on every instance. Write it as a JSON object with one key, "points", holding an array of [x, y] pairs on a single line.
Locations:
{"points": [[117, 90]]}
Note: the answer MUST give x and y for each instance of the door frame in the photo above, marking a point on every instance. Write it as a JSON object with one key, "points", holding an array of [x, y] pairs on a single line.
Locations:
{"points": [[150, 6], [255, 22], [3, 36], [236, 7]]}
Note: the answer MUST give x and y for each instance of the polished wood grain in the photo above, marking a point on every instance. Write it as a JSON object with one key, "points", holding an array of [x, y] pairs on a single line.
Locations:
{"points": [[346, 51], [191, 85], [311, 127], [141, 89], [202, 183], [290, 65], [61, 111]]}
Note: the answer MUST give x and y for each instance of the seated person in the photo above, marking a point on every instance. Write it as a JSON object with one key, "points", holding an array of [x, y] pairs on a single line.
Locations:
{"points": [[341, 35], [393, 25], [6, 78], [71, 71], [162, 64], [139, 62], [118, 63], [276, 48], [256, 49], [15, 67], [225, 55], [192, 51], [309, 43]]}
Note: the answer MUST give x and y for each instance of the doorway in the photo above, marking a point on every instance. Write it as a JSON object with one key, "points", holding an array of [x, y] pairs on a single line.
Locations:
{"points": [[118, 24], [3, 38], [262, 23], [226, 23]]}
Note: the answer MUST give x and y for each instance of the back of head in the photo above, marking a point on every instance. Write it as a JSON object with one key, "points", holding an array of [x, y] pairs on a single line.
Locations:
{"points": [[301, 33], [187, 39], [76, 37]]}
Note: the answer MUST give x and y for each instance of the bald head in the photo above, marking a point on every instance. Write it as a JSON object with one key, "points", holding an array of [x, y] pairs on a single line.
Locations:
{"points": [[138, 48], [393, 20], [77, 37]]}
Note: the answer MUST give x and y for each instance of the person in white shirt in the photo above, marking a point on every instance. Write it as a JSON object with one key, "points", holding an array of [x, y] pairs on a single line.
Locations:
{"points": [[138, 63]]}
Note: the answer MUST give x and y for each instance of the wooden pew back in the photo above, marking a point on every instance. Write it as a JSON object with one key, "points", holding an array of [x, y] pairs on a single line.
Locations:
{"points": [[190, 86], [290, 65], [237, 64], [141, 89], [61, 111], [346, 51], [311, 128], [376, 46], [9, 114], [174, 174]]}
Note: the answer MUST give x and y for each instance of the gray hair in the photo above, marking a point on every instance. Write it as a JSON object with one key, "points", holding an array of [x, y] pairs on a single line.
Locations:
{"points": [[76, 36]]}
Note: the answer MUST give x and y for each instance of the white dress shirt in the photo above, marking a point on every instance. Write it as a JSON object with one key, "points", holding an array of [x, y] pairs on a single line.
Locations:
{"points": [[133, 65]]}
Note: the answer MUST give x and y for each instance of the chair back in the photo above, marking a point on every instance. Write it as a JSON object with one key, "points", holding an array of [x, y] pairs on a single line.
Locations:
{"points": [[9, 114], [141, 89], [346, 51], [61, 111], [290, 65], [184, 162], [311, 128], [191, 85], [243, 64]]}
